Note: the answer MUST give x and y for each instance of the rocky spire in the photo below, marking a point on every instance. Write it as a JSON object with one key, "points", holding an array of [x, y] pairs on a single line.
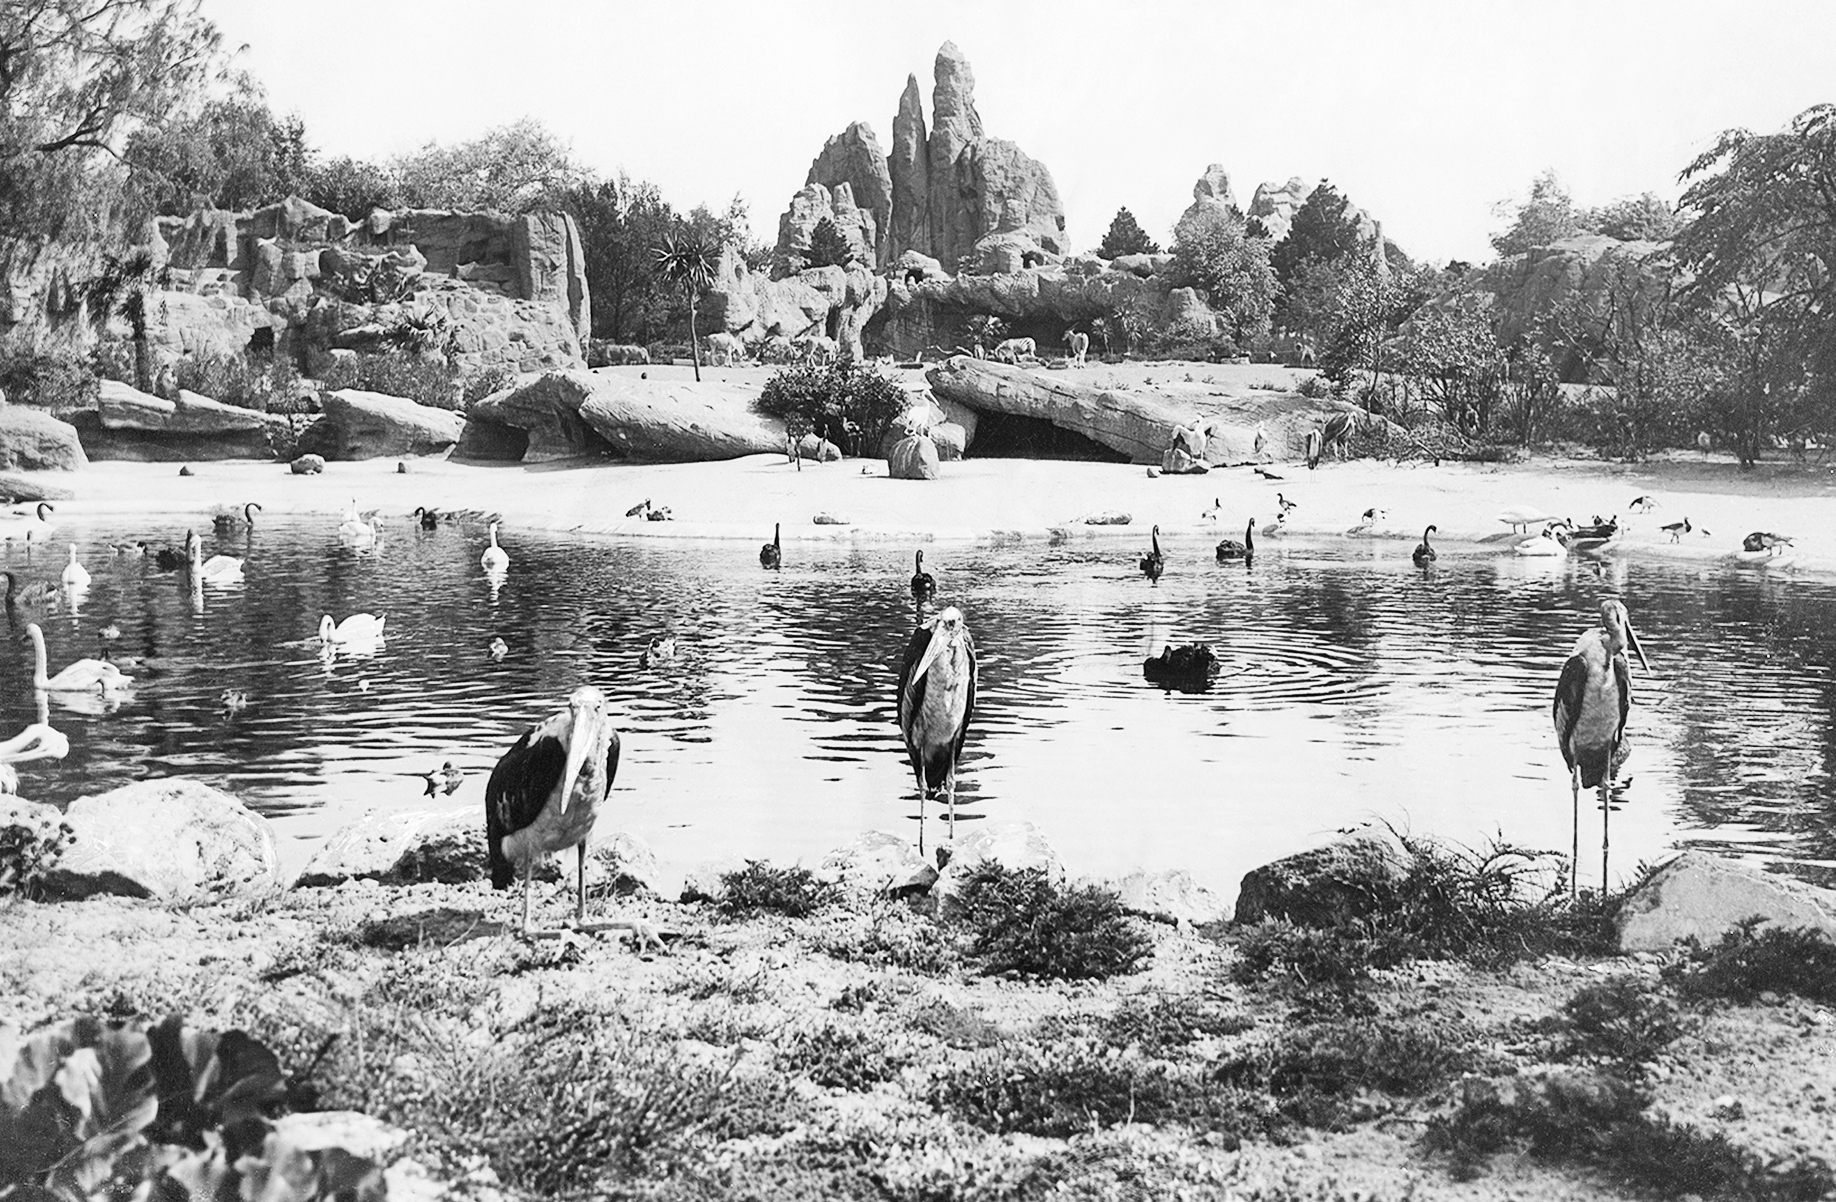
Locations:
{"points": [[954, 125], [909, 164], [853, 159]]}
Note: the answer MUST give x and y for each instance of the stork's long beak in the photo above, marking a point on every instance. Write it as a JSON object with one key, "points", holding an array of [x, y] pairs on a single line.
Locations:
{"points": [[580, 744], [939, 636], [1632, 637]]}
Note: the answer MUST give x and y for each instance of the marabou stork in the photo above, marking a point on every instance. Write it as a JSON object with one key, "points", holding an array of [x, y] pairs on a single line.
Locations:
{"points": [[1424, 554], [1230, 549], [936, 701], [1592, 699], [495, 558], [1153, 563], [1261, 441], [83, 676], [430, 518], [924, 585], [76, 576], [544, 796], [771, 555], [1314, 443], [229, 523]]}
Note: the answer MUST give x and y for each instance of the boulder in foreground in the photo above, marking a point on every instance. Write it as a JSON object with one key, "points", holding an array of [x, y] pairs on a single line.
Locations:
{"points": [[913, 458], [34, 441], [170, 840], [1701, 896], [1012, 845], [1324, 886], [374, 425], [1170, 896], [563, 414], [402, 848], [878, 864]]}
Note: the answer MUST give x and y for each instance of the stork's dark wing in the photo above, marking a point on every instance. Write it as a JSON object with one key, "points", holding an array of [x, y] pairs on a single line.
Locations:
{"points": [[911, 696], [518, 787], [1570, 692], [962, 732], [611, 760]]}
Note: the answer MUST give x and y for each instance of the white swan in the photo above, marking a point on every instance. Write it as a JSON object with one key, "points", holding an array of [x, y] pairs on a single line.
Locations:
{"points": [[358, 628], [27, 524], [76, 576], [38, 741], [354, 529], [83, 676], [1544, 544], [495, 558], [218, 569]]}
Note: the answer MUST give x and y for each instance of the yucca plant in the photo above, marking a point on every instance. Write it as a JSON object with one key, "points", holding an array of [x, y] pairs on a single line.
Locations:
{"points": [[689, 261]]}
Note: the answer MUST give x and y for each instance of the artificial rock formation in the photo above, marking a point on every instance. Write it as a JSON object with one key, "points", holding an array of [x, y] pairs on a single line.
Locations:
{"points": [[130, 424], [371, 425], [33, 440]]}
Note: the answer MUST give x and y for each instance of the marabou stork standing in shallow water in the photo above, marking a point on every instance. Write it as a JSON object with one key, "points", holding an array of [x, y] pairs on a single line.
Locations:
{"points": [[771, 555], [1424, 554], [1153, 563], [1592, 699], [924, 585], [544, 796], [936, 701]]}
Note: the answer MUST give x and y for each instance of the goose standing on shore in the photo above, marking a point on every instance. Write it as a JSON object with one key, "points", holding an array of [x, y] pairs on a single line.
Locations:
{"points": [[771, 555], [81, 676], [495, 558], [1676, 530], [76, 576], [1424, 554], [1153, 563], [1287, 506], [936, 700], [1230, 549], [229, 523], [1592, 698], [545, 795], [924, 585]]}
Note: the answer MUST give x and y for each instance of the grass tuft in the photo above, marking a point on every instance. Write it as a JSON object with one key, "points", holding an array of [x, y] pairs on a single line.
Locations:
{"points": [[1020, 921], [1749, 962], [1620, 1020], [760, 888]]}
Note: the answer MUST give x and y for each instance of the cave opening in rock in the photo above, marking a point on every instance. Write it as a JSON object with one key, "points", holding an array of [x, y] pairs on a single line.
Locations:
{"points": [[1008, 436]]}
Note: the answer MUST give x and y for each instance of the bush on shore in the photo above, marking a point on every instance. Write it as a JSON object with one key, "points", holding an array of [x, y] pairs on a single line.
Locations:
{"points": [[1018, 920]]}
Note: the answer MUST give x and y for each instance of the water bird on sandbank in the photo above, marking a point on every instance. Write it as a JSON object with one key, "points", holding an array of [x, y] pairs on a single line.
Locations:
{"points": [[1643, 503], [1266, 474], [924, 585], [1287, 506], [641, 509], [1521, 517], [1153, 563], [1592, 699], [1230, 549], [936, 700], [1424, 551], [1762, 540], [1676, 530], [771, 555]]}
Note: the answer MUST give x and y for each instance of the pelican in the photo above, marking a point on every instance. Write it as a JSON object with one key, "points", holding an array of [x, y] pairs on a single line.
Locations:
{"points": [[1261, 442], [358, 628], [1761, 540], [430, 518], [1315, 440], [1424, 554], [544, 796], [353, 529], [1287, 506], [936, 701], [33, 525], [1521, 517], [1230, 549], [218, 569], [771, 555], [229, 523], [498, 649], [1154, 563], [924, 585], [1592, 699], [445, 779], [1676, 530], [660, 651], [76, 576], [1643, 504], [495, 558], [83, 676]]}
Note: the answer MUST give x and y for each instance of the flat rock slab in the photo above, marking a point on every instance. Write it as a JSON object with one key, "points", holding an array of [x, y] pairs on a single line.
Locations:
{"points": [[1138, 425], [373, 425], [123, 407], [170, 840], [1701, 897], [1323, 886], [572, 413], [18, 488]]}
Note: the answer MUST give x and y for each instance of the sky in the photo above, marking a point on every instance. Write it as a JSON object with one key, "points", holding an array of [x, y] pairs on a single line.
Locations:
{"points": [[1429, 115]]}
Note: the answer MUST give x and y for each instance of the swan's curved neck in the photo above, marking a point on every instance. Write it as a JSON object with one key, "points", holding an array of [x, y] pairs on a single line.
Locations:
{"points": [[39, 677]]}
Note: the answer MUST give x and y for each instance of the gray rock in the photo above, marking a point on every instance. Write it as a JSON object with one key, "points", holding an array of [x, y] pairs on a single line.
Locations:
{"points": [[1324, 886], [307, 465], [1013, 845], [372, 425], [402, 848], [631, 868], [1172, 896], [171, 839], [31, 440], [876, 863], [1701, 896], [913, 458]]}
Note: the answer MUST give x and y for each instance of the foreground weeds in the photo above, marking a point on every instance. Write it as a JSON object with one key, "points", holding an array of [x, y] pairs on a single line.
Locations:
{"points": [[1021, 921], [1749, 962]]}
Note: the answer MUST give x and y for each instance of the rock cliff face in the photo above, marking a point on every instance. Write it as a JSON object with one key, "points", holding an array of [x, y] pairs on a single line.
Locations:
{"points": [[853, 158], [1588, 269]]}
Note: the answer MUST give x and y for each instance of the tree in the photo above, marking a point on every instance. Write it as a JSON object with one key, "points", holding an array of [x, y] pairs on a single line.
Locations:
{"points": [[1634, 218], [1324, 231], [690, 262], [230, 153], [514, 168], [75, 77], [828, 248], [1211, 252], [352, 187], [122, 289], [1760, 260], [1548, 216], [620, 220], [1126, 237]]}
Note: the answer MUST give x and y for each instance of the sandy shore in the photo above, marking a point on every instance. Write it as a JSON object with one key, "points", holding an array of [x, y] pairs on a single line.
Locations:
{"points": [[995, 498]]}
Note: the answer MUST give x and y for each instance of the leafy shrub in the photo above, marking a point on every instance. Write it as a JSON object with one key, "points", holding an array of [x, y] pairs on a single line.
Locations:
{"points": [[1331, 962], [952, 1025], [1171, 1022], [60, 383], [838, 1057], [31, 844], [1620, 1019], [268, 383], [1316, 387], [1403, 1056], [484, 382], [894, 936], [426, 381], [850, 405], [761, 888], [1600, 1121], [1018, 920], [1070, 1087], [1748, 962]]}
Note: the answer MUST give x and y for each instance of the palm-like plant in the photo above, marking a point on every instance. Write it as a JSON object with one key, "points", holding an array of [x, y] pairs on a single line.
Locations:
{"points": [[122, 288], [686, 258]]}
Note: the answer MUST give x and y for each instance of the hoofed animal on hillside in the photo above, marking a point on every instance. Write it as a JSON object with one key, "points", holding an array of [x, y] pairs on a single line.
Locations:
{"points": [[725, 349], [816, 348], [617, 354], [1015, 349], [1079, 343], [777, 349]]}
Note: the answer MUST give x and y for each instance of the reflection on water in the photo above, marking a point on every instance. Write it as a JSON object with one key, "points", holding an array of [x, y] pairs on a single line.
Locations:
{"points": [[1354, 686]]}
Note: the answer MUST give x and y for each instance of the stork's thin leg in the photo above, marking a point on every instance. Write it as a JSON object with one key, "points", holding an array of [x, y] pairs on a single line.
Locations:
{"points": [[580, 890], [921, 793], [1574, 851], [528, 874], [1606, 821], [950, 793]]}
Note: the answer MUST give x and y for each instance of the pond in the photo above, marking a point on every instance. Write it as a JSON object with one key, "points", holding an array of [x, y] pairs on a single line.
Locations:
{"points": [[1355, 687]]}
